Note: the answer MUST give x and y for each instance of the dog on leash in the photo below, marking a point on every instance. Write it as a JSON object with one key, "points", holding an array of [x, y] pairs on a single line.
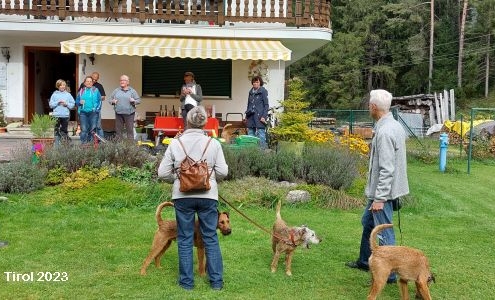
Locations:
{"points": [[286, 239], [167, 232], [409, 263]]}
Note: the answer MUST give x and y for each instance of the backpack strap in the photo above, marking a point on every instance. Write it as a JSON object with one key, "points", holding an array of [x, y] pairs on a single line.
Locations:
{"points": [[206, 147], [204, 151]]}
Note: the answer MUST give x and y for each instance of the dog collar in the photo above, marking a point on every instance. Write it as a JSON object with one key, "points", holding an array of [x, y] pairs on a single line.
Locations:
{"points": [[291, 236]]}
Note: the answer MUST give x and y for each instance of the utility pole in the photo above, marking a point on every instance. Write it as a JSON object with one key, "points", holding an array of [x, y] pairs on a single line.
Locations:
{"points": [[432, 26], [461, 44], [487, 66]]}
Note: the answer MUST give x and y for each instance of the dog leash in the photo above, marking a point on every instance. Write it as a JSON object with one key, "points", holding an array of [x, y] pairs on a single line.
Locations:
{"points": [[256, 224], [398, 219]]}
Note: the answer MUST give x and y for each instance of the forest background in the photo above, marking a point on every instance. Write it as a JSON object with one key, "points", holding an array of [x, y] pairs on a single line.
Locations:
{"points": [[386, 44]]}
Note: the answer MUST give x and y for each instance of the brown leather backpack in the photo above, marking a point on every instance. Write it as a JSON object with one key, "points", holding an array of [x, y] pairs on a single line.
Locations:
{"points": [[193, 175]]}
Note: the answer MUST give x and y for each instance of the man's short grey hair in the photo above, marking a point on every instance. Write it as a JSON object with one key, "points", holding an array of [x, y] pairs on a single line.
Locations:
{"points": [[382, 99], [196, 117]]}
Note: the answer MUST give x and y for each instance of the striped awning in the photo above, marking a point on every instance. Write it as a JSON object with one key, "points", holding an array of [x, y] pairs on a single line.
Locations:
{"points": [[178, 47]]}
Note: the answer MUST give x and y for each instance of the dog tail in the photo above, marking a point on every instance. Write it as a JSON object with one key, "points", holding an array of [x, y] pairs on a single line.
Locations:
{"points": [[374, 233], [279, 205], [158, 213]]}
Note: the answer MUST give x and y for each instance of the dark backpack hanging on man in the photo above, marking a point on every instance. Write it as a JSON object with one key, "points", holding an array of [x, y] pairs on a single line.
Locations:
{"points": [[194, 175]]}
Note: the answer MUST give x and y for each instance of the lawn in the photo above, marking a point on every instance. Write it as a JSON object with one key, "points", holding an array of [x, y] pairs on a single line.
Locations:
{"points": [[97, 249]]}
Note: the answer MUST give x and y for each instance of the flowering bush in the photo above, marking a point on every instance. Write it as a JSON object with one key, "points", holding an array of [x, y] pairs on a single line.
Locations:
{"points": [[320, 136], [355, 143]]}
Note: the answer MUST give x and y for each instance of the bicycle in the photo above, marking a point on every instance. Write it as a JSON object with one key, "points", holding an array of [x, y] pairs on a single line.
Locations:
{"points": [[271, 122]]}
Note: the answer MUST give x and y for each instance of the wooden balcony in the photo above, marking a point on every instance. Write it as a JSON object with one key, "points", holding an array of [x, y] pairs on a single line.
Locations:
{"points": [[293, 13]]}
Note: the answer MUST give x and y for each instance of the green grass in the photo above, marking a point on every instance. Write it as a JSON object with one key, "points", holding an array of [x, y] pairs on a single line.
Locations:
{"points": [[101, 246]]}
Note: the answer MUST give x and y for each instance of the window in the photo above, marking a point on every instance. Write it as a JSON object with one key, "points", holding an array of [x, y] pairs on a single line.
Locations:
{"points": [[163, 76]]}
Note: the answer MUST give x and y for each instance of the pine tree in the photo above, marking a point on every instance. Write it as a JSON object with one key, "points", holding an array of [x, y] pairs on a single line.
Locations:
{"points": [[294, 121]]}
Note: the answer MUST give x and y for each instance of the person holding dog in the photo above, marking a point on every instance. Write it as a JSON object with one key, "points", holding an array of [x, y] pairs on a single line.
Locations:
{"points": [[191, 95], [204, 203], [387, 176], [257, 110]]}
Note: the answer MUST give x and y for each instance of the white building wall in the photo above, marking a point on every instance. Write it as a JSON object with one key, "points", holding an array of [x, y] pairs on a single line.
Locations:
{"points": [[111, 67]]}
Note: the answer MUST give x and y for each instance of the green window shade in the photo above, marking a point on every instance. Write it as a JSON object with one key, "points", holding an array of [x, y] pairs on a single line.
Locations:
{"points": [[164, 75]]}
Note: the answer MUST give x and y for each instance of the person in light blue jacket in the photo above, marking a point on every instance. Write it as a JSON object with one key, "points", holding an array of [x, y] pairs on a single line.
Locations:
{"points": [[61, 102]]}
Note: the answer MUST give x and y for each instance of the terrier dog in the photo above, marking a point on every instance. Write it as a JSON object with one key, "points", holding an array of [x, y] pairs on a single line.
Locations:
{"points": [[167, 232], [410, 264], [286, 239], [230, 132]]}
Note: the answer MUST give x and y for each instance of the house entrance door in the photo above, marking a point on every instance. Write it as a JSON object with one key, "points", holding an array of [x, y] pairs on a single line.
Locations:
{"points": [[44, 66]]}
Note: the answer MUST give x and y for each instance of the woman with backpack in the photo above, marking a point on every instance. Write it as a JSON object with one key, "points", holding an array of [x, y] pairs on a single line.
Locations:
{"points": [[193, 144]]}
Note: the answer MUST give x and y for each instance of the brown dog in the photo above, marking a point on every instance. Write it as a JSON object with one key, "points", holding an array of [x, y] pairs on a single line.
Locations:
{"points": [[410, 264], [167, 232], [286, 239]]}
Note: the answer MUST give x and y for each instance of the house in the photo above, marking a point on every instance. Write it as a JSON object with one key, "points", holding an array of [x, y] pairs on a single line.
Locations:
{"points": [[154, 42]]}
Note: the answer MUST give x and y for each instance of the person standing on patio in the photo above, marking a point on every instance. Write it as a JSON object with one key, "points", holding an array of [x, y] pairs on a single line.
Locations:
{"points": [[61, 102], [191, 95], [257, 110], [96, 84], [88, 101], [124, 100]]}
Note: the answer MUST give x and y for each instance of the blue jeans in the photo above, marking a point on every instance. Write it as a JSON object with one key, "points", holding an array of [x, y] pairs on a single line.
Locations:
{"points": [[89, 121], [185, 211], [387, 237], [99, 130], [260, 133]]}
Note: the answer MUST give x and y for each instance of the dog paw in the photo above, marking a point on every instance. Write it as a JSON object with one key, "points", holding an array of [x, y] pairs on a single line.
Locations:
{"points": [[288, 273]]}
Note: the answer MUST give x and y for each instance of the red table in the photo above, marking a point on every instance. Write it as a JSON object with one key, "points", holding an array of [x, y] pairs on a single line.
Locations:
{"points": [[171, 125]]}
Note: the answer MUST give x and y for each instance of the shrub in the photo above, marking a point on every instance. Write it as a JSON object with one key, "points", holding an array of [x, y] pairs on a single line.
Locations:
{"points": [[42, 125], [56, 176], [74, 157], [21, 176], [326, 164], [141, 176], [85, 176], [333, 166], [242, 162]]}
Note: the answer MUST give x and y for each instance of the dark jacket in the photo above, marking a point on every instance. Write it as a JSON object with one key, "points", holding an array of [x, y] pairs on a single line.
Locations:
{"points": [[257, 108]]}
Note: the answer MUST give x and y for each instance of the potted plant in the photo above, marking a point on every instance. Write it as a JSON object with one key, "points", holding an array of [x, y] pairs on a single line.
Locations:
{"points": [[3, 123], [293, 127], [42, 127]]}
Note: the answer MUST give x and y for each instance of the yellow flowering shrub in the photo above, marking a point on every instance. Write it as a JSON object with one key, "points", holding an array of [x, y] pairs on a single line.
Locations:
{"points": [[85, 176], [355, 143], [320, 136]]}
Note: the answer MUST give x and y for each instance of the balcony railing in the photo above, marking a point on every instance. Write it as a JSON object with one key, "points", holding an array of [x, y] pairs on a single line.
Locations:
{"points": [[299, 13]]}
